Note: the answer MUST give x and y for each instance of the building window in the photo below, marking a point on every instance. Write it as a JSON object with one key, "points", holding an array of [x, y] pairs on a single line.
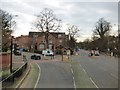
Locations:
{"points": [[59, 35], [42, 46], [50, 41], [50, 46], [60, 41]]}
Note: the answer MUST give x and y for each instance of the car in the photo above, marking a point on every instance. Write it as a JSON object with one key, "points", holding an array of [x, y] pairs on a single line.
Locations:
{"points": [[97, 53], [36, 57], [91, 53], [17, 53], [47, 52]]}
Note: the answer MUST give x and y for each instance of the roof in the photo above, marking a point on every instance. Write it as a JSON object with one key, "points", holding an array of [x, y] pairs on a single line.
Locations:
{"points": [[41, 33]]}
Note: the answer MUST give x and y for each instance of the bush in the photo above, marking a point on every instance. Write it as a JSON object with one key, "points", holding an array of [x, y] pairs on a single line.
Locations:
{"points": [[58, 52], [4, 75], [37, 51]]}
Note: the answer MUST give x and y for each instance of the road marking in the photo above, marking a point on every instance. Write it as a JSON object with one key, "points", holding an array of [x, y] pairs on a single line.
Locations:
{"points": [[84, 71], [90, 78], [73, 77], [38, 76], [74, 83], [71, 70], [80, 65], [93, 83], [114, 76]]}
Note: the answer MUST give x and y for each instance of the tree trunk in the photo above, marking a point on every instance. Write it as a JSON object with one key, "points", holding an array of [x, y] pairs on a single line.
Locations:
{"points": [[46, 39]]}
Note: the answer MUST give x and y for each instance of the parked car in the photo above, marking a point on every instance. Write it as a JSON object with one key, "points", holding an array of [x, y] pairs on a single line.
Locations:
{"points": [[96, 53], [17, 53], [47, 52], [36, 57]]}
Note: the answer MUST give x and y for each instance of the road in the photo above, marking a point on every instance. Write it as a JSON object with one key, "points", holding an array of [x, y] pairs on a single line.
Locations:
{"points": [[102, 69], [55, 74]]}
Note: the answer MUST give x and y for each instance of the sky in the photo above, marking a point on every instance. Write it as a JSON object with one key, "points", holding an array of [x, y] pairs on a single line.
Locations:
{"points": [[83, 14]]}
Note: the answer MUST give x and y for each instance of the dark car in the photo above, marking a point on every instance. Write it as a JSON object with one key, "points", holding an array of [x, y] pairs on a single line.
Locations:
{"points": [[17, 53], [36, 57]]}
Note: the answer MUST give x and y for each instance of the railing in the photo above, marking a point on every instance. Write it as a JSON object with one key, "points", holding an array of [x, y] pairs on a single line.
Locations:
{"points": [[17, 73]]}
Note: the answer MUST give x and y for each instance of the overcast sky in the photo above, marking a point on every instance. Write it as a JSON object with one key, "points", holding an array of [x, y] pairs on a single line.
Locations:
{"points": [[81, 13]]}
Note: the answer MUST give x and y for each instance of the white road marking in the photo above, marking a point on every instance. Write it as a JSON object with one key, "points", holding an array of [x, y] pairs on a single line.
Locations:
{"points": [[73, 76], [93, 83], [72, 70], [38, 76], [90, 78], [80, 65], [114, 75], [84, 71], [74, 83]]}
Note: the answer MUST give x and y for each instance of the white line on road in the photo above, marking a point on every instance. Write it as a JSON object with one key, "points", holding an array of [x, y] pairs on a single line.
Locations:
{"points": [[38, 76], [73, 77], [90, 78], [84, 71], [74, 83], [80, 65], [93, 83], [71, 70]]}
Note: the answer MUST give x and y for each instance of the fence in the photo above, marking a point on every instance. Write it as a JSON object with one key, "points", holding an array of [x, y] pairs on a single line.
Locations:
{"points": [[17, 73]]}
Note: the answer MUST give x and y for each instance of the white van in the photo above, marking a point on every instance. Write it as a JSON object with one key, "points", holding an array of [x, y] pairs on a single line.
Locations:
{"points": [[47, 52]]}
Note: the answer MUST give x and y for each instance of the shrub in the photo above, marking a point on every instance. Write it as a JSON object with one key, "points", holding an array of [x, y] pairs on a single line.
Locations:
{"points": [[37, 51], [58, 52]]}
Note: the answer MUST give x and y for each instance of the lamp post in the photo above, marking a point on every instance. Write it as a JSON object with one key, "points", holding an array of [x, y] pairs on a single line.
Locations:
{"points": [[11, 48]]}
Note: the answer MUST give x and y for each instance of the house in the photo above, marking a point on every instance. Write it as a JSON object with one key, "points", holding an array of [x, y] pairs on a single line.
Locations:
{"points": [[56, 40], [36, 41], [24, 41]]}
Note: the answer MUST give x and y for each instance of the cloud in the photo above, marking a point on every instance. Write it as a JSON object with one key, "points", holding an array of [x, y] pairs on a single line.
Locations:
{"points": [[81, 13]]}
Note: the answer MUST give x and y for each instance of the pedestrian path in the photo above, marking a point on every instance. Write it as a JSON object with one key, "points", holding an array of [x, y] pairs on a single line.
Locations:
{"points": [[17, 62]]}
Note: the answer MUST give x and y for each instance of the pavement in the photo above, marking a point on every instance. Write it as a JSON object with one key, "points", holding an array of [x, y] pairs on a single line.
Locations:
{"points": [[28, 78], [17, 62]]}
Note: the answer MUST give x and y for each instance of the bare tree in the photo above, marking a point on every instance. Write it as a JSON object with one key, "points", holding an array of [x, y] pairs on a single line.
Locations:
{"points": [[6, 28], [47, 22], [73, 31], [102, 28]]}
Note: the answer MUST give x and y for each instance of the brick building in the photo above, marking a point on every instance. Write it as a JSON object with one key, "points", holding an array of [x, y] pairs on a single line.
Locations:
{"points": [[56, 39], [23, 41], [36, 41]]}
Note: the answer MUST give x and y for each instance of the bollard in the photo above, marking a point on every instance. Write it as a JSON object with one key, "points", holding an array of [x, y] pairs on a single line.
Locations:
{"points": [[66, 59]]}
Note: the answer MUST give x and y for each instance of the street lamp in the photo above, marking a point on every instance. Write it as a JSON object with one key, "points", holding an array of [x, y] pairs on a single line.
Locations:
{"points": [[11, 48]]}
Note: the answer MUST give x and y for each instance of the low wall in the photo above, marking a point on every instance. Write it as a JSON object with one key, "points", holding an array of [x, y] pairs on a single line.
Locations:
{"points": [[5, 60]]}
